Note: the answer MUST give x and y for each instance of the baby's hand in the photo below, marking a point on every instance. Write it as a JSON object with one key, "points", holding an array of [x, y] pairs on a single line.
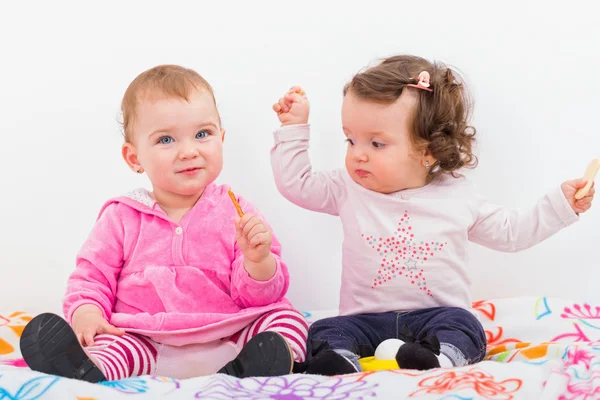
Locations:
{"points": [[253, 238], [88, 322], [569, 188], [293, 107]]}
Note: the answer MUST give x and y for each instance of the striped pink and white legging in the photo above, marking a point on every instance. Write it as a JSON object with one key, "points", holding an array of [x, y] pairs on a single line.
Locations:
{"points": [[290, 324], [130, 355]]}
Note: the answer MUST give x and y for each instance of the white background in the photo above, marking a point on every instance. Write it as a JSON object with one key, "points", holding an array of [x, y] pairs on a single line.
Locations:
{"points": [[531, 66]]}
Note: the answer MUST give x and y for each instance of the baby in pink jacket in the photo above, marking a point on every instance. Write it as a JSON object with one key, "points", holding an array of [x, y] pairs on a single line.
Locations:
{"points": [[172, 282]]}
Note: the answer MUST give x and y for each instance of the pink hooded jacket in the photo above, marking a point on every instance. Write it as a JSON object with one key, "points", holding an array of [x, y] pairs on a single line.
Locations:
{"points": [[175, 283]]}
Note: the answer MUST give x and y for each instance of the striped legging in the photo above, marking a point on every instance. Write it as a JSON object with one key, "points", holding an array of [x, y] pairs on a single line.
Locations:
{"points": [[129, 355]]}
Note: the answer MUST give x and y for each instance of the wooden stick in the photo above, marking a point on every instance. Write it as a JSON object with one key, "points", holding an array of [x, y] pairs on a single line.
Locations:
{"points": [[236, 204], [590, 174]]}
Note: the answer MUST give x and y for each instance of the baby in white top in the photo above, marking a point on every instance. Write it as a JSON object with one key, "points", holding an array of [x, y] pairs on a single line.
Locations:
{"points": [[407, 215]]}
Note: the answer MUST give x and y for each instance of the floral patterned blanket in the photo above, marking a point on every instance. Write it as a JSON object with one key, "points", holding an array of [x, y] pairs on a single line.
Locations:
{"points": [[539, 348]]}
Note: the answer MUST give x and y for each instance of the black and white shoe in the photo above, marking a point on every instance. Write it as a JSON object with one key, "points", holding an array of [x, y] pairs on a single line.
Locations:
{"points": [[49, 345], [419, 354]]}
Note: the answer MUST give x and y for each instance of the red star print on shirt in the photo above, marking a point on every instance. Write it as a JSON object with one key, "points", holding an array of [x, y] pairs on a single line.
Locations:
{"points": [[403, 255]]}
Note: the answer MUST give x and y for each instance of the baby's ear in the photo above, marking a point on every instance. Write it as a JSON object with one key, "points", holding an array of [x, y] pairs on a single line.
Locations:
{"points": [[129, 153], [427, 159]]}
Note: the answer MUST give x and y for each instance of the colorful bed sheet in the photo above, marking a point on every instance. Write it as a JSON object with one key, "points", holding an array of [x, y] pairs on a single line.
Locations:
{"points": [[539, 348]]}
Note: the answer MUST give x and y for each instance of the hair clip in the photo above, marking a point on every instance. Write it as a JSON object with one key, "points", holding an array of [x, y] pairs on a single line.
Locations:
{"points": [[423, 82]]}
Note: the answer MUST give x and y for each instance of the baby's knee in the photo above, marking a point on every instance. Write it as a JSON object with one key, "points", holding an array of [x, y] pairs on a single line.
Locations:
{"points": [[465, 321], [321, 325]]}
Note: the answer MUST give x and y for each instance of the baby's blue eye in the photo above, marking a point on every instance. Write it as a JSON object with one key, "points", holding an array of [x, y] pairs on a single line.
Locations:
{"points": [[378, 145], [201, 134], [165, 140]]}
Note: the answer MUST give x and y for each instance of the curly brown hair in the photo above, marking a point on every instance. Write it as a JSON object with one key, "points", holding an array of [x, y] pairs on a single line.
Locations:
{"points": [[440, 123]]}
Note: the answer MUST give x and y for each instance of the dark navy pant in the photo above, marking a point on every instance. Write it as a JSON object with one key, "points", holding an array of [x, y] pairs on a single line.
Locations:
{"points": [[462, 338]]}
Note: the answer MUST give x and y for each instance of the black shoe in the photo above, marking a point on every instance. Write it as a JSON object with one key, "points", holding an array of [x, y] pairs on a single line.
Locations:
{"points": [[266, 354], [49, 345], [300, 367], [420, 354], [330, 363], [415, 356]]}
